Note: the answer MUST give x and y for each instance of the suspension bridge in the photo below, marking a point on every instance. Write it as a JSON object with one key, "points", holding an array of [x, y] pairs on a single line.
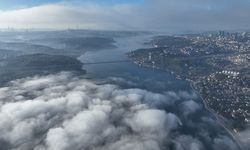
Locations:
{"points": [[106, 62]]}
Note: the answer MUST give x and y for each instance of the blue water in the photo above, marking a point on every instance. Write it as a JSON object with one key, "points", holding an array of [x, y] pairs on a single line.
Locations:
{"points": [[146, 78], [153, 80]]}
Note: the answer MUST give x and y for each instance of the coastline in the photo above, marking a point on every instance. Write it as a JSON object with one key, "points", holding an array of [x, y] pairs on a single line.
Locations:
{"points": [[218, 118]]}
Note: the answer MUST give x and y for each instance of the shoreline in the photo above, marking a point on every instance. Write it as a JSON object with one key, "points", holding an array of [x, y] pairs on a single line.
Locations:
{"points": [[218, 118]]}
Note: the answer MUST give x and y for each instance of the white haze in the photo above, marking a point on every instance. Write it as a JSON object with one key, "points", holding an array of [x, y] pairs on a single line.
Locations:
{"points": [[163, 15], [65, 112]]}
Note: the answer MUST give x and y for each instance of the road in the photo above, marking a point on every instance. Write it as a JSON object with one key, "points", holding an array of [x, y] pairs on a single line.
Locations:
{"points": [[218, 118], [210, 56]]}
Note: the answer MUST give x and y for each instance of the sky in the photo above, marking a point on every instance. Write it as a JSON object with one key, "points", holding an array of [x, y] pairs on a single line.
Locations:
{"points": [[153, 15], [13, 4]]}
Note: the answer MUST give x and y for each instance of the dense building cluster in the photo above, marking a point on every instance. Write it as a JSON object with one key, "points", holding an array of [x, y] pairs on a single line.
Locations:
{"points": [[216, 64], [228, 93]]}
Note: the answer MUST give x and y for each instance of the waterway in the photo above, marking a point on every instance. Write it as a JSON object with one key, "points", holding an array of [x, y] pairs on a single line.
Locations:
{"points": [[154, 80], [140, 77]]}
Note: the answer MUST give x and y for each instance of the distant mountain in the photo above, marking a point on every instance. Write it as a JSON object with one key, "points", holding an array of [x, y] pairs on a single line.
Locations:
{"points": [[28, 48], [37, 64], [69, 46], [77, 43], [9, 53]]}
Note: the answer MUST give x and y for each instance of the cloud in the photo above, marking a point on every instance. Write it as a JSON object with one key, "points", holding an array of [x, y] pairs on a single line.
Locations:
{"points": [[244, 137], [163, 15], [184, 142], [224, 143], [190, 107], [63, 111], [62, 16]]}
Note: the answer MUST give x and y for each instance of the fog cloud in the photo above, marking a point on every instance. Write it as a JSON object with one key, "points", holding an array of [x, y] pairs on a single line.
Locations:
{"points": [[163, 15], [65, 112]]}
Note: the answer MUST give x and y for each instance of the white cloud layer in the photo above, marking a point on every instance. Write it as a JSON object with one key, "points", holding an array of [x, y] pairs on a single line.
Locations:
{"points": [[167, 15], [64, 112]]}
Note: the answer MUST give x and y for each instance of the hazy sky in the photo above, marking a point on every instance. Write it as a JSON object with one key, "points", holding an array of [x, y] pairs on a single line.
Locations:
{"points": [[166, 15], [12, 4]]}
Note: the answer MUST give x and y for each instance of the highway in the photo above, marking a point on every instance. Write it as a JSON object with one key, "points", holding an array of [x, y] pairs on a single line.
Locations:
{"points": [[219, 118]]}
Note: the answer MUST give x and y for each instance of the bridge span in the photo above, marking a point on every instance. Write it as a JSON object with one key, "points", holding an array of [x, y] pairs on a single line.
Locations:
{"points": [[106, 62]]}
